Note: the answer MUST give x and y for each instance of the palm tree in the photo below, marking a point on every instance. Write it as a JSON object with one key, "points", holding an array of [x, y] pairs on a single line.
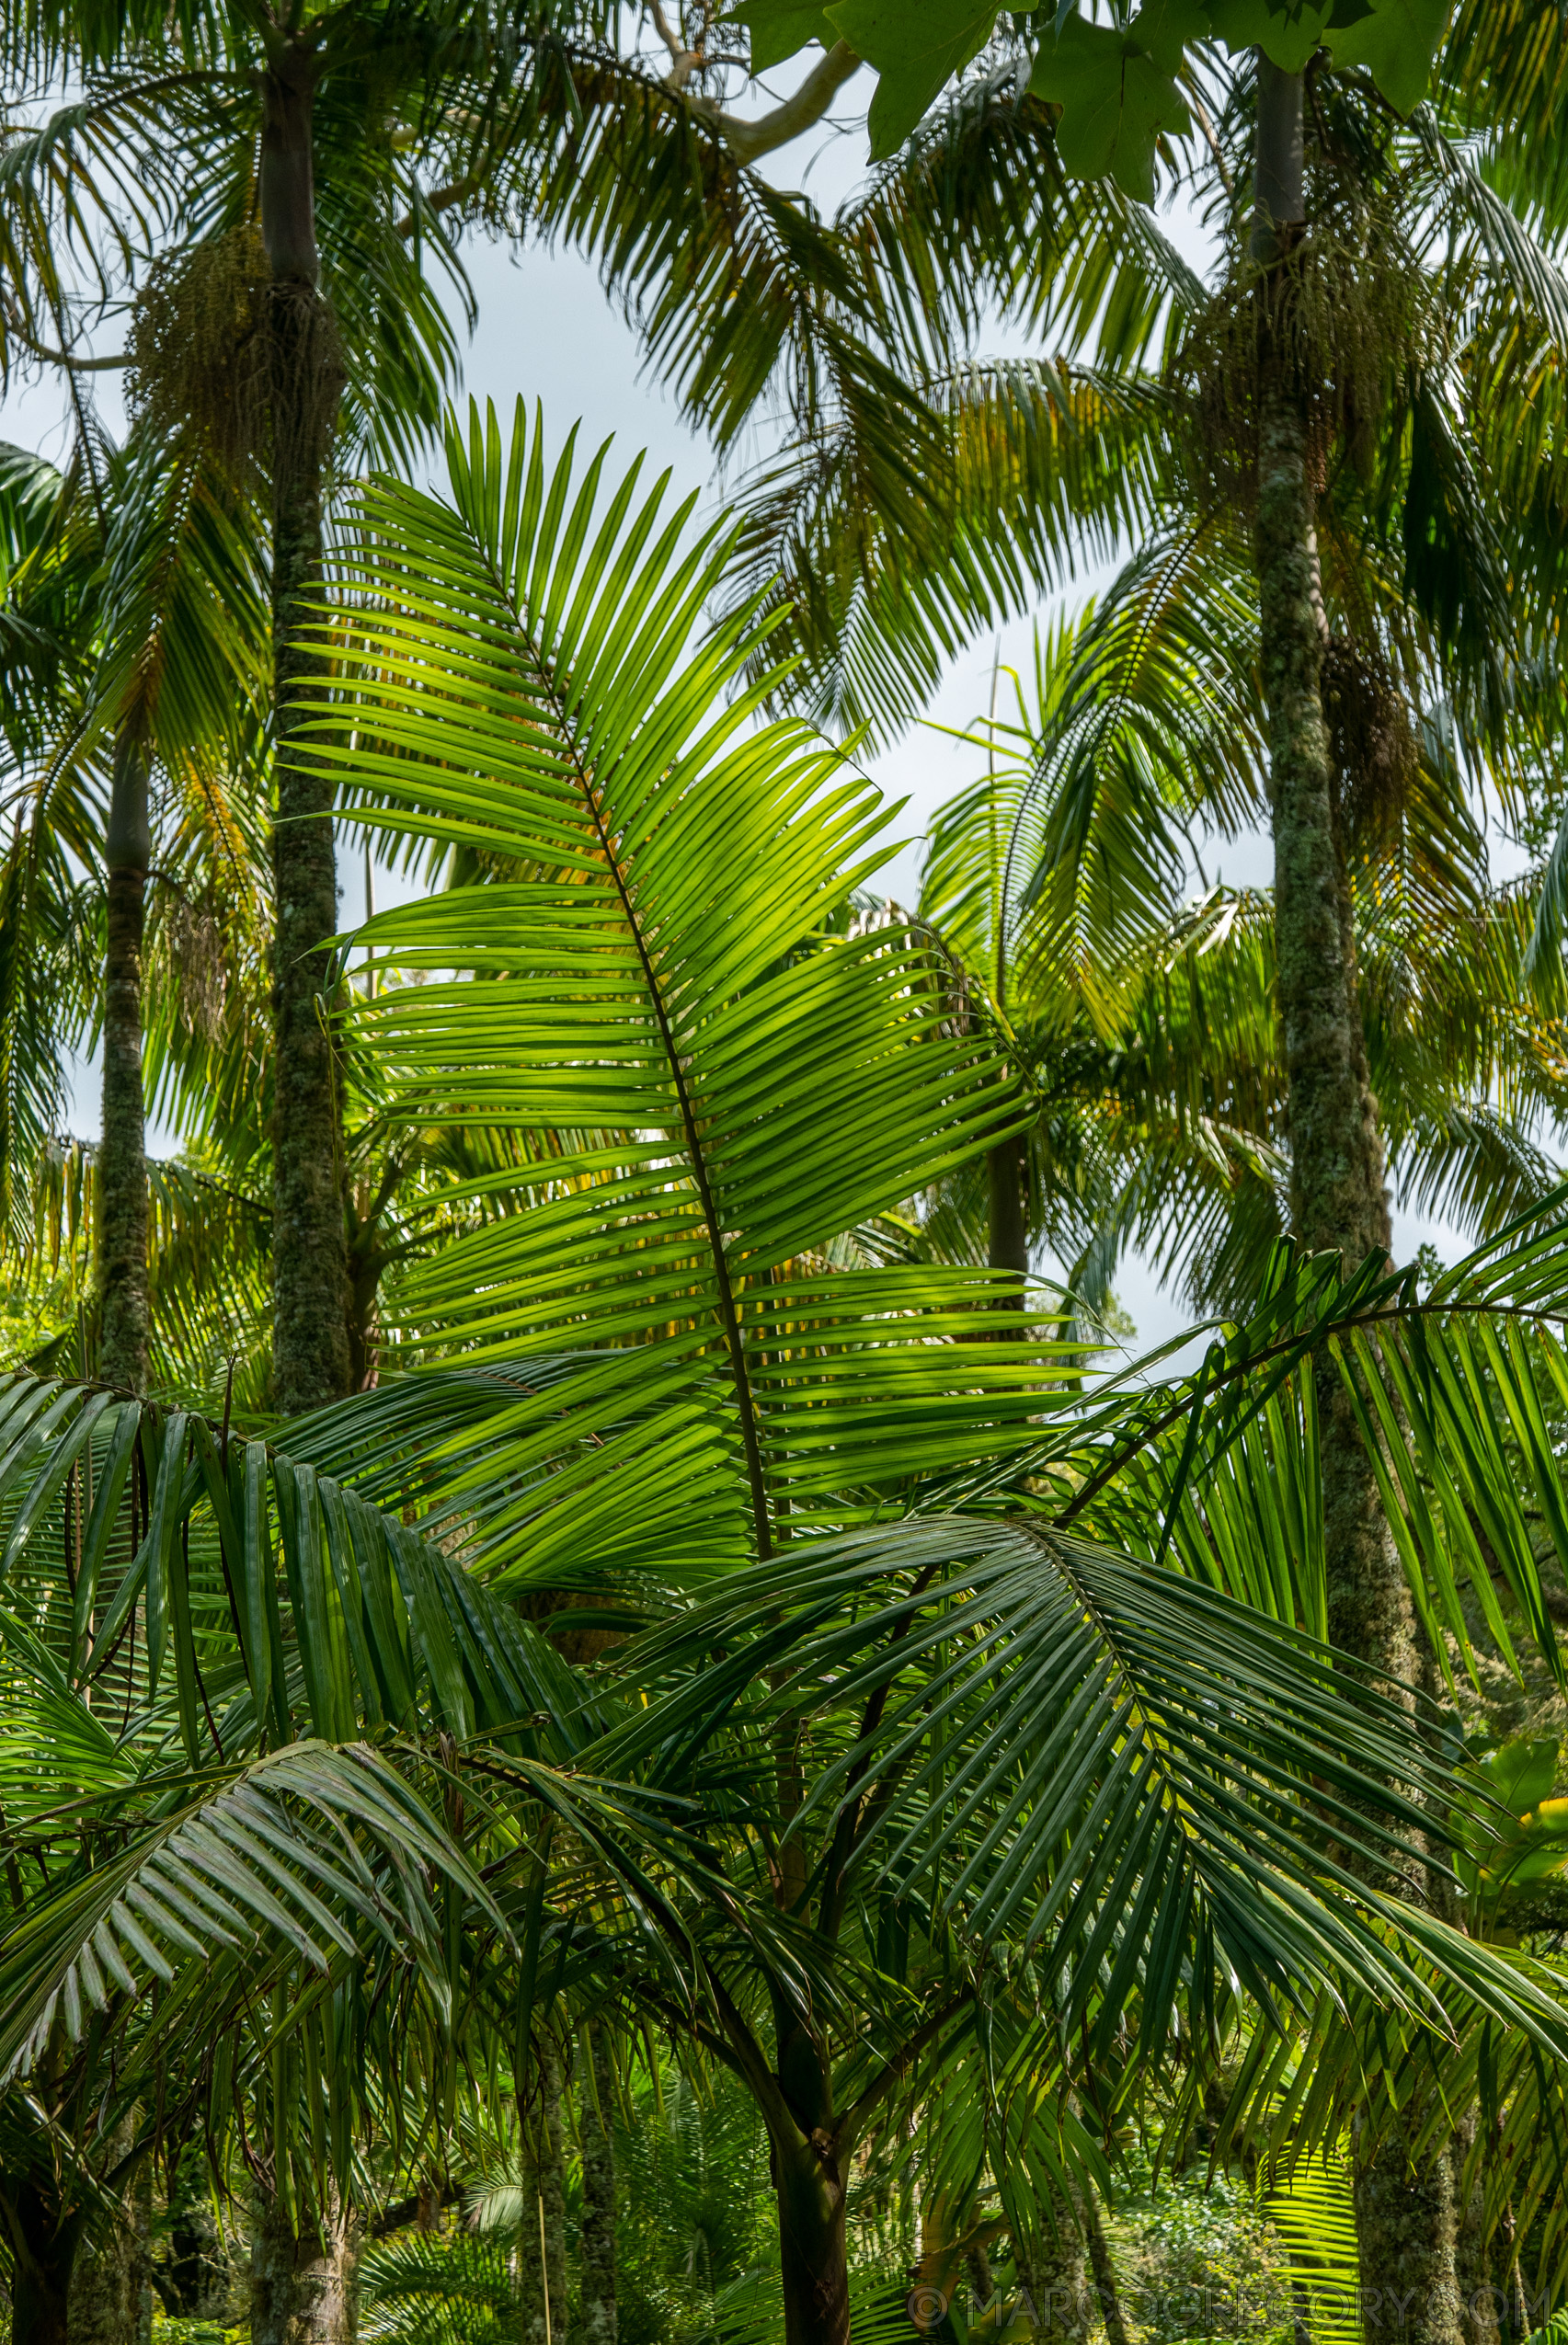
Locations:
{"points": [[318, 106], [670, 1233], [1266, 394], [1149, 1032], [136, 596]]}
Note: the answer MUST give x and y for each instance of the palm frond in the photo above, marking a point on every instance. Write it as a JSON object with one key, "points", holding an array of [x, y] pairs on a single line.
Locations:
{"points": [[663, 941]]}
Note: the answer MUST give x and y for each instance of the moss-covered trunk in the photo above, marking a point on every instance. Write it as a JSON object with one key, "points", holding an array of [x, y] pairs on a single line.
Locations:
{"points": [[310, 1343], [121, 1161], [326, 2289], [1053, 2274], [107, 2291], [541, 2233], [111, 2296], [1404, 2204], [596, 2103], [1107, 2289]]}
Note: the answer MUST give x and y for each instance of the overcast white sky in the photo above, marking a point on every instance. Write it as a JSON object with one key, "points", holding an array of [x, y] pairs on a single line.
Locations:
{"points": [[547, 330]]}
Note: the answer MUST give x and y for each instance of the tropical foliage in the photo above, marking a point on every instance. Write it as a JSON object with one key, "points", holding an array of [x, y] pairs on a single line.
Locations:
{"points": [[619, 1719]]}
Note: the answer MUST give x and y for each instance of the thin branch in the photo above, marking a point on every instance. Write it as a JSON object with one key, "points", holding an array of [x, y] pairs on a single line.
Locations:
{"points": [[402, 2212], [63, 357], [750, 140], [683, 62], [458, 191]]}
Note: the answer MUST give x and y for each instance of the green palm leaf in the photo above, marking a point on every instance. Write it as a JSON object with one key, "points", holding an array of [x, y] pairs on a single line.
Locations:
{"points": [[660, 957], [264, 1864]]}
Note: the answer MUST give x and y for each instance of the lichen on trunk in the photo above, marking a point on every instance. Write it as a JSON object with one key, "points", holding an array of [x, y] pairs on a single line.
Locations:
{"points": [[303, 2285], [596, 2103], [310, 1343], [542, 2228], [1404, 2200], [1053, 2275]]}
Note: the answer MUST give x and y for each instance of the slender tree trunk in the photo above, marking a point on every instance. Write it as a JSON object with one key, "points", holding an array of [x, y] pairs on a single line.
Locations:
{"points": [[109, 2300], [810, 2189], [105, 2300], [310, 1345], [1100, 2263], [541, 2235], [934, 2283], [291, 2278], [1007, 1168], [1405, 2207], [327, 2276], [1053, 2278], [272, 2247], [43, 2250], [596, 2103], [122, 1165], [197, 2274]]}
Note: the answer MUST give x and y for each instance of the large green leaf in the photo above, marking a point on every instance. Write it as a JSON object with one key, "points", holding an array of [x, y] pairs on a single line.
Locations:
{"points": [[1117, 91], [1116, 84], [917, 46], [276, 1603], [1395, 39], [1147, 1780], [264, 1865], [663, 970], [779, 28]]}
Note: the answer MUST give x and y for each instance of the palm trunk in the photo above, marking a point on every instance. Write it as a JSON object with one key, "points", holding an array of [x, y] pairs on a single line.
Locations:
{"points": [[43, 2250], [197, 2279], [1106, 2288], [541, 2233], [122, 1165], [271, 2272], [303, 2285], [310, 1346], [1405, 2206], [1054, 2279], [1007, 1169], [811, 2197], [104, 2299], [601, 2317], [110, 2299], [327, 2284]]}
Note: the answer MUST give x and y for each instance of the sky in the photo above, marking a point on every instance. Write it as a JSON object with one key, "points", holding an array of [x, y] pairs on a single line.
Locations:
{"points": [[546, 332]]}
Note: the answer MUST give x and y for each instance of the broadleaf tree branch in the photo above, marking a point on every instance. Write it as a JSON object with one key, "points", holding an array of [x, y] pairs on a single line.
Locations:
{"points": [[748, 139], [65, 358]]}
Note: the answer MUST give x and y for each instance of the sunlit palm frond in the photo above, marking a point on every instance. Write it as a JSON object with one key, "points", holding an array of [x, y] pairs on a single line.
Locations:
{"points": [[659, 958]]}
